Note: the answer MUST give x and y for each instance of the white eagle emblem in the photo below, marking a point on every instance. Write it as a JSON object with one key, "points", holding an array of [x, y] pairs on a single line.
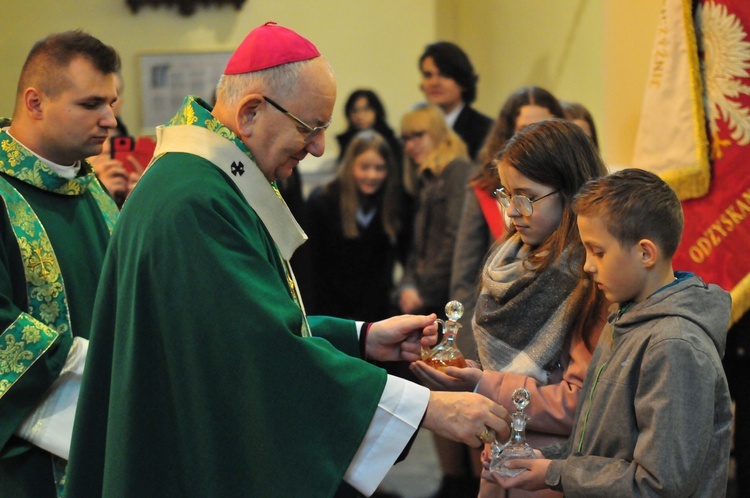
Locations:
{"points": [[721, 38]]}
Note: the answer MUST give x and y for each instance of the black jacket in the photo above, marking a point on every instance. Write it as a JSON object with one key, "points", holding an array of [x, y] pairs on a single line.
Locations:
{"points": [[473, 127]]}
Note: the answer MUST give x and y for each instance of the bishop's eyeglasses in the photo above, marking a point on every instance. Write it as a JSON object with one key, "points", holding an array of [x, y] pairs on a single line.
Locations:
{"points": [[312, 131]]}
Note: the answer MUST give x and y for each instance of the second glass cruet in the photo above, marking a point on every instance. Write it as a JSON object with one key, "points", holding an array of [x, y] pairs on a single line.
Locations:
{"points": [[516, 447]]}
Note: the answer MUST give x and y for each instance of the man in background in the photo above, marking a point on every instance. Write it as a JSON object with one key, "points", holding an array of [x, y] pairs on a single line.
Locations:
{"points": [[449, 82]]}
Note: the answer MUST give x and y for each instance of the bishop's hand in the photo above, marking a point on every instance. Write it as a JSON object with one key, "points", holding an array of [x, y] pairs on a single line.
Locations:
{"points": [[400, 338]]}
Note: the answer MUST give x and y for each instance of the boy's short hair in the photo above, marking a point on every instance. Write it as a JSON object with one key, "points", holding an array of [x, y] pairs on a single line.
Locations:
{"points": [[634, 204]]}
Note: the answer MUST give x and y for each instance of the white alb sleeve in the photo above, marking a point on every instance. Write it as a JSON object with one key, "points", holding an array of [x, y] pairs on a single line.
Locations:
{"points": [[50, 425], [396, 418]]}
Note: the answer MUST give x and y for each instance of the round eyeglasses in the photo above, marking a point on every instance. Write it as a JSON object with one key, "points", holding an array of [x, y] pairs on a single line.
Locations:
{"points": [[523, 204], [312, 131]]}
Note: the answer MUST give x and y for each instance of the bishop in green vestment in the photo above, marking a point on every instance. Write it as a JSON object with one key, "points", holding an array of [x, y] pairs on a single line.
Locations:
{"points": [[205, 377], [55, 223], [201, 381]]}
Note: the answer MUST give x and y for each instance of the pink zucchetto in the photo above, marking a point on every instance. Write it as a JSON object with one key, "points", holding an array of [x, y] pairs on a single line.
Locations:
{"points": [[268, 46]]}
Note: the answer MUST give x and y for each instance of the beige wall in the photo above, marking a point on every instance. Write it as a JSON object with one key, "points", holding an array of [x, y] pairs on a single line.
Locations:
{"points": [[592, 51], [631, 29], [550, 43]]}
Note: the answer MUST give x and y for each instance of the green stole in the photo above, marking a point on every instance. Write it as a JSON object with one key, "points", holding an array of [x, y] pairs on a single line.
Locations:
{"points": [[218, 145], [47, 318]]}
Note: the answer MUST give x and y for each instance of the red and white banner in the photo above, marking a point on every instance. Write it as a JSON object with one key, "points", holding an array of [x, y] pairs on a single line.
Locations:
{"points": [[701, 71]]}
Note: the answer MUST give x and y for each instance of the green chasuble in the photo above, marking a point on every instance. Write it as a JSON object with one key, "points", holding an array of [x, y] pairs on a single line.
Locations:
{"points": [[53, 237], [199, 381]]}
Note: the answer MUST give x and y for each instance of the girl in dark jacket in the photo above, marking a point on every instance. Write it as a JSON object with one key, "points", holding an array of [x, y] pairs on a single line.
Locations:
{"points": [[357, 233]]}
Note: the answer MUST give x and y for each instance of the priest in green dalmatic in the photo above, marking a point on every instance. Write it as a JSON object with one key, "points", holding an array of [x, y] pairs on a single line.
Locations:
{"points": [[55, 223], [205, 377]]}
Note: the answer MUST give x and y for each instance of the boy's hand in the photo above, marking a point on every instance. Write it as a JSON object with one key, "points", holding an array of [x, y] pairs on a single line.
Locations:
{"points": [[531, 480], [454, 379]]}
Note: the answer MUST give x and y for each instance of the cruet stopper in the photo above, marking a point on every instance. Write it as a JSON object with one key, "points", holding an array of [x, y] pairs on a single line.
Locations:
{"points": [[516, 447]]}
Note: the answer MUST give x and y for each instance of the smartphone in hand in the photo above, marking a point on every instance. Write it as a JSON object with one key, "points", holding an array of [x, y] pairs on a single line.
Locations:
{"points": [[140, 149], [120, 148]]}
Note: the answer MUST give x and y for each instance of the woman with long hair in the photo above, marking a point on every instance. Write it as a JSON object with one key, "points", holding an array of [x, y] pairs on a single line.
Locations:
{"points": [[581, 116], [364, 111], [436, 171]]}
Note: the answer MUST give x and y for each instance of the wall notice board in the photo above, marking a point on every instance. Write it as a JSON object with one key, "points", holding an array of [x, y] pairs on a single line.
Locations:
{"points": [[167, 78]]}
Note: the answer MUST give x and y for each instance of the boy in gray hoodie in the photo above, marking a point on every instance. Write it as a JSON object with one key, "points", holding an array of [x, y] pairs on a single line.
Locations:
{"points": [[654, 417]]}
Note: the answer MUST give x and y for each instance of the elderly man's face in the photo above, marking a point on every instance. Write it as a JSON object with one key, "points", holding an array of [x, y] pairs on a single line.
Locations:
{"points": [[278, 145]]}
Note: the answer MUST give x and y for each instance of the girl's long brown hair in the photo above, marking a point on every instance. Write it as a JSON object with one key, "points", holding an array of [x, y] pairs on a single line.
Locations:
{"points": [[558, 154], [389, 195]]}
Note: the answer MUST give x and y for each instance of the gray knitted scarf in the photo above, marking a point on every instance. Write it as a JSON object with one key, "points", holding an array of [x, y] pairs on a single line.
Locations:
{"points": [[523, 317]]}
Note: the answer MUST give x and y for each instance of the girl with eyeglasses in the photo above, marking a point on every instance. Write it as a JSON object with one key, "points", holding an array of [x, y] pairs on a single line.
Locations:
{"points": [[482, 221], [538, 316]]}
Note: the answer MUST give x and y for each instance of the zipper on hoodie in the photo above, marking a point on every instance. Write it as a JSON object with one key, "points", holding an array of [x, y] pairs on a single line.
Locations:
{"points": [[598, 373]]}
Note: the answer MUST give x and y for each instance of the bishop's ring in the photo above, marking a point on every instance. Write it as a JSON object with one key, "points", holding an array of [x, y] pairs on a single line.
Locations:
{"points": [[486, 436]]}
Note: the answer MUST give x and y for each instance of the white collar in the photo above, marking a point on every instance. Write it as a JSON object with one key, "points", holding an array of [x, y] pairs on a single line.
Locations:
{"points": [[68, 172], [365, 218], [451, 117]]}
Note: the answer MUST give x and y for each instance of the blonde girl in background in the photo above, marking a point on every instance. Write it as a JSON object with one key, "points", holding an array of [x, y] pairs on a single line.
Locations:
{"points": [[436, 171]]}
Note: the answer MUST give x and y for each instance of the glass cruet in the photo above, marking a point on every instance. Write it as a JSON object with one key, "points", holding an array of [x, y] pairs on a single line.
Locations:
{"points": [[446, 354], [516, 447]]}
